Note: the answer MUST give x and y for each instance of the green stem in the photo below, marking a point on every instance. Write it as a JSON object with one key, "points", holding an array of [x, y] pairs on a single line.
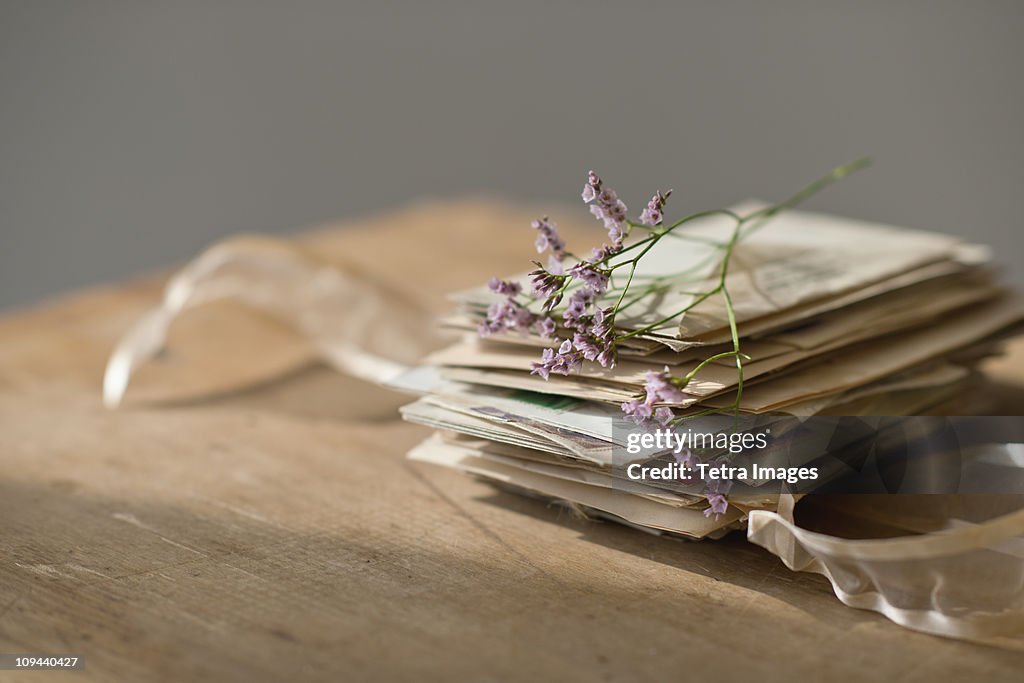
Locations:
{"points": [[629, 280], [655, 325], [744, 225], [700, 366], [761, 215], [806, 193]]}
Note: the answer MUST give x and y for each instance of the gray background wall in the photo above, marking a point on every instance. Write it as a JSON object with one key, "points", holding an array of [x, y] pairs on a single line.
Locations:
{"points": [[133, 133]]}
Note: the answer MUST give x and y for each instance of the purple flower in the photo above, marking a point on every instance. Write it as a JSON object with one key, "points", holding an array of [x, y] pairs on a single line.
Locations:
{"points": [[718, 504], [655, 211], [594, 336], [608, 356], [486, 328], [567, 359], [596, 280], [615, 233], [504, 287], [613, 217], [586, 345], [660, 387], [603, 322], [664, 416], [599, 254], [546, 327], [606, 207], [638, 412], [560, 362], [506, 315], [715, 490], [579, 303], [548, 238], [592, 187], [548, 285], [543, 368]]}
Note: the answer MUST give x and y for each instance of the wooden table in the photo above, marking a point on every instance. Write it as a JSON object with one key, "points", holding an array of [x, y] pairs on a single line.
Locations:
{"points": [[279, 533]]}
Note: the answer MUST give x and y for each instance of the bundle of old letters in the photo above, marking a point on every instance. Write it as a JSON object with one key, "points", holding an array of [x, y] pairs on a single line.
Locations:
{"points": [[823, 316]]}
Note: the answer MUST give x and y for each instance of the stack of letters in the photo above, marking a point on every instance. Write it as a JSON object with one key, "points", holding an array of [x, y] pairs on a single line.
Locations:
{"points": [[835, 317]]}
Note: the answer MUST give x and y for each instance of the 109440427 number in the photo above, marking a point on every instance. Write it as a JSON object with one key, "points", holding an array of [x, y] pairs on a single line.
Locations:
{"points": [[40, 662]]}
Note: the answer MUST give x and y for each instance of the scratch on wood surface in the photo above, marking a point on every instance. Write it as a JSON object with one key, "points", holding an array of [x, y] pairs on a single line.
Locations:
{"points": [[134, 521], [241, 512], [45, 570], [157, 571], [201, 561], [244, 571], [80, 568]]}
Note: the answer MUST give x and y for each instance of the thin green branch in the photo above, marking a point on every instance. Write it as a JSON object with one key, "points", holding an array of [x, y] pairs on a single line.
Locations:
{"points": [[744, 225]]}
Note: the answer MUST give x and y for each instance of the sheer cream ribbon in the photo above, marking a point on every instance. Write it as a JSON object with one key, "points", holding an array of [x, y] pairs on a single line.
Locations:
{"points": [[342, 315], [964, 581]]}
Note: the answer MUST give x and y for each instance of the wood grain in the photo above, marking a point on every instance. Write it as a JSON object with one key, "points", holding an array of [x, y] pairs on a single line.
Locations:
{"points": [[278, 533]]}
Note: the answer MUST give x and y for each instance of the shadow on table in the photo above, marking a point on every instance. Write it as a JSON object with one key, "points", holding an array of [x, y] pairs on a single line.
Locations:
{"points": [[731, 559], [203, 590]]}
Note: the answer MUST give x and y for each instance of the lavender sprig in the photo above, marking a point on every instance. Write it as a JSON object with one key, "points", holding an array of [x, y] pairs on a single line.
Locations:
{"points": [[654, 213], [592, 335], [607, 207]]}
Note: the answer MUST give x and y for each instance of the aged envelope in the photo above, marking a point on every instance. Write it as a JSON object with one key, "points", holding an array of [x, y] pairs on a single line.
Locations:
{"points": [[631, 509], [835, 334], [793, 259], [874, 360]]}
